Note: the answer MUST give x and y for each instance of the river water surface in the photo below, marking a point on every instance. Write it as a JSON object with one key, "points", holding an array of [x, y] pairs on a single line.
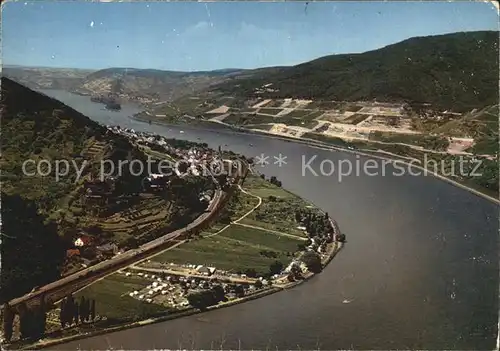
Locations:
{"points": [[420, 267]]}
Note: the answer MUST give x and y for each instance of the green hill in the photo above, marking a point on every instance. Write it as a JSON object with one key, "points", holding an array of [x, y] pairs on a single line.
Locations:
{"points": [[36, 127], [456, 71], [46, 78]]}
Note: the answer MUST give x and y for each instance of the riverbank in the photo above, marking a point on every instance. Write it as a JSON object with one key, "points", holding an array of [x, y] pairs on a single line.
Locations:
{"points": [[187, 312], [254, 184], [335, 248], [378, 154]]}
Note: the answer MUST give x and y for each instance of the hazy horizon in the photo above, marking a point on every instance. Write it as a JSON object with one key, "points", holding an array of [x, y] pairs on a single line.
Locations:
{"points": [[193, 36], [216, 69]]}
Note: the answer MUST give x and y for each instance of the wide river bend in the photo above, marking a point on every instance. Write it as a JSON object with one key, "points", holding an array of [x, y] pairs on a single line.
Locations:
{"points": [[420, 269]]}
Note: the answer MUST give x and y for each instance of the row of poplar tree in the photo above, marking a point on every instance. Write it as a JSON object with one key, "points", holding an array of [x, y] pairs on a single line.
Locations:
{"points": [[33, 320], [73, 312]]}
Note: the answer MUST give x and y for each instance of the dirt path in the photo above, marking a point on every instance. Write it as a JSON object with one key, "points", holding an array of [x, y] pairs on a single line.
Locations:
{"points": [[242, 217], [191, 273], [253, 209], [237, 221], [273, 231]]}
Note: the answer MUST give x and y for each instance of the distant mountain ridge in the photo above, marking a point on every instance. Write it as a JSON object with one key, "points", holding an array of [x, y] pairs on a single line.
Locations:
{"points": [[457, 71], [150, 85], [149, 72], [46, 77]]}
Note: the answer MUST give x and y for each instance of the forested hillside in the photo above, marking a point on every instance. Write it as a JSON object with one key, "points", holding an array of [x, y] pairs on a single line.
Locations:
{"points": [[456, 71]]}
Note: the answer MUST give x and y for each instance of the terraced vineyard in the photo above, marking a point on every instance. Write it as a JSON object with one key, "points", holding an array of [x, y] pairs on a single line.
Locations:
{"points": [[142, 218], [97, 148]]}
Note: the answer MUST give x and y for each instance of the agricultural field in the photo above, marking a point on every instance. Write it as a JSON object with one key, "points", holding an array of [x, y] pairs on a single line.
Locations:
{"points": [[266, 127], [270, 111], [297, 113], [386, 121], [355, 119], [314, 115], [263, 188], [112, 300], [296, 122], [236, 249], [239, 205], [140, 217], [482, 126], [333, 117], [308, 120], [433, 142], [274, 103], [310, 124], [156, 155], [324, 105], [244, 119], [352, 108], [191, 106], [169, 111], [328, 139], [267, 234], [277, 211]]}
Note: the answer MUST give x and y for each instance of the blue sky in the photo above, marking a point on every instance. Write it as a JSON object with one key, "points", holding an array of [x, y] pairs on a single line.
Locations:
{"points": [[204, 36]]}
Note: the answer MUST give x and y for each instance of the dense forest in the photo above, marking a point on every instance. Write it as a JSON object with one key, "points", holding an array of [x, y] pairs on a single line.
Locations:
{"points": [[32, 252]]}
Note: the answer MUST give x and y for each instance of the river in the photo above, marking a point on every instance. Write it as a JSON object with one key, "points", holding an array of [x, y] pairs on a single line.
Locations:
{"points": [[419, 270]]}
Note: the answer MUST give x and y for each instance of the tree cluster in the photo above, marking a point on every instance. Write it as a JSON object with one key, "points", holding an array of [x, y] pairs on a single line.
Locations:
{"points": [[317, 225], [276, 267], [205, 298], [295, 273], [312, 261], [73, 312], [8, 321], [320, 232], [32, 321], [273, 180]]}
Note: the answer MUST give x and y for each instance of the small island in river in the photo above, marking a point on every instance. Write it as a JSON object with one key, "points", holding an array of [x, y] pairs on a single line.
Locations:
{"points": [[110, 102]]}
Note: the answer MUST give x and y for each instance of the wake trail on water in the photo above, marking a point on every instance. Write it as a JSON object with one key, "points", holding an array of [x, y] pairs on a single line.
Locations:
{"points": [[342, 290]]}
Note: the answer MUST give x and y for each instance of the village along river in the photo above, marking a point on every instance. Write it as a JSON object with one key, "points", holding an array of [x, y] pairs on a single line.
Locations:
{"points": [[419, 270]]}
